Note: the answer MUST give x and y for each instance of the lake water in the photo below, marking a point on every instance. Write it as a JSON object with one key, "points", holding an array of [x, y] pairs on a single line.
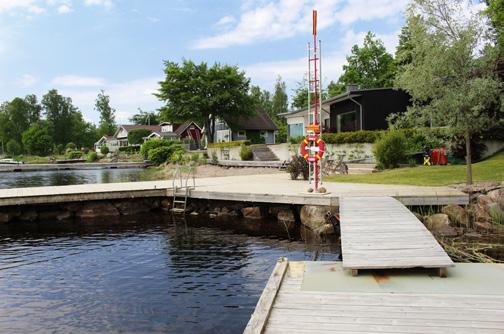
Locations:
{"points": [[139, 275], [67, 177]]}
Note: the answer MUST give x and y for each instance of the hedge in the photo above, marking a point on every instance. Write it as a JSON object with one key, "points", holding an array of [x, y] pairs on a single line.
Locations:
{"points": [[228, 144], [364, 136], [129, 149]]}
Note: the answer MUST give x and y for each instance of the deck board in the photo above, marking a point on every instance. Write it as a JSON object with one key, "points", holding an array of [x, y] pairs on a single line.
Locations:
{"points": [[381, 233]]}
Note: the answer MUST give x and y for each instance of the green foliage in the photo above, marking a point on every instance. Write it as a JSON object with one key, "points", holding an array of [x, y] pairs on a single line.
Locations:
{"points": [[70, 146], [496, 214], [391, 149], [59, 149], [364, 136], [107, 125], [369, 66], [202, 93], [74, 154], [255, 137], [37, 140], [162, 154], [136, 137], [298, 165], [145, 118], [215, 159], [129, 149], [495, 12], [458, 148], [13, 147], [104, 149], [296, 140], [92, 157], [228, 144], [246, 153], [196, 158], [155, 143]]}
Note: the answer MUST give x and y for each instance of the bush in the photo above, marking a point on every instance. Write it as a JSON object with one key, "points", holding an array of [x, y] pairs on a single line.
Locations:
{"points": [[155, 143], [74, 154], [228, 144], [59, 149], [246, 153], [136, 137], [104, 149], [129, 149], [92, 157], [215, 159], [255, 137], [298, 165], [296, 140], [364, 136], [70, 146], [390, 150], [37, 140], [13, 147], [195, 157], [458, 148], [160, 154]]}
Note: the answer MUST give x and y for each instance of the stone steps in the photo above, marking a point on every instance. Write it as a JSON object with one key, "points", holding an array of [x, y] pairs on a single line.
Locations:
{"points": [[263, 153]]}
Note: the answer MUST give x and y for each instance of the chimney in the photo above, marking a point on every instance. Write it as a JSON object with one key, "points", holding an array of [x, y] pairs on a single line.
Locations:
{"points": [[351, 87]]}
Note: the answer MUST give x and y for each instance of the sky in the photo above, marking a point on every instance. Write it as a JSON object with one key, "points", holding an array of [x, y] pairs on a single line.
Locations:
{"points": [[82, 46]]}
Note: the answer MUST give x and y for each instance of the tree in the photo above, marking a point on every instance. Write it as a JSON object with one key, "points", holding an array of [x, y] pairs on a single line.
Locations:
{"points": [[202, 94], [146, 118], [448, 82], [37, 139], [404, 50], [59, 111], [136, 137], [495, 12], [107, 125], [280, 104], [261, 99], [369, 66], [13, 147]]}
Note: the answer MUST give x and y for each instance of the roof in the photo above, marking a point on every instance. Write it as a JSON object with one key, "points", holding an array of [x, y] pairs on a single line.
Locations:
{"points": [[153, 128], [260, 120], [182, 127]]}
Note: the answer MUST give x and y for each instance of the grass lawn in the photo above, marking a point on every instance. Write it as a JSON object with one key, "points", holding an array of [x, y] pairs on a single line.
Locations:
{"points": [[491, 169]]}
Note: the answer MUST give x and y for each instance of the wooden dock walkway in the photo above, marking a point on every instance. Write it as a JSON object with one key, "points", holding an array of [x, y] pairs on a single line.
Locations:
{"points": [[321, 297], [381, 233]]}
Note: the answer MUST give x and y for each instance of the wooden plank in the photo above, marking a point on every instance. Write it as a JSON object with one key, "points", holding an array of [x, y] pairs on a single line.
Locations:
{"points": [[261, 313], [381, 233]]}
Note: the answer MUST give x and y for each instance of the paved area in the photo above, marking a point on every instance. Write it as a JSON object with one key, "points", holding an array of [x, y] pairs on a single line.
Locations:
{"points": [[266, 188]]}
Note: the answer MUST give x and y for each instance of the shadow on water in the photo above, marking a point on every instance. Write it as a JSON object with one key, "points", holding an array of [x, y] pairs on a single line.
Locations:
{"points": [[69, 177], [140, 274]]}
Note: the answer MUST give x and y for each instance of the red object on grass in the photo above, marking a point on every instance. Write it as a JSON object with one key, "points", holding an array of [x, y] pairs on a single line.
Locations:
{"points": [[438, 156]]}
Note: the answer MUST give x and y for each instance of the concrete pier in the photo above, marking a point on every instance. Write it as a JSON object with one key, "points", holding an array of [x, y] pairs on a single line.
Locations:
{"points": [[72, 166]]}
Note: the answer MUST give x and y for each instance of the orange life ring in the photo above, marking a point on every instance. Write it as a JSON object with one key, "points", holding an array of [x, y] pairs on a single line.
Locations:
{"points": [[318, 148]]}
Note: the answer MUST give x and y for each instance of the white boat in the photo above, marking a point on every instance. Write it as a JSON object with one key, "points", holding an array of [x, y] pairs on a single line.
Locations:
{"points": [[10, 162]]}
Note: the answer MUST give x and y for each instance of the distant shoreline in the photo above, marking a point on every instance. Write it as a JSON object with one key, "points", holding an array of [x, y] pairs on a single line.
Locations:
{"points": [[73, 166]]}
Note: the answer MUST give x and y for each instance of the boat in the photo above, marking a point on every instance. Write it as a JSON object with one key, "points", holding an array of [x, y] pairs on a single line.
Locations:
{"points": [[10, 162]]}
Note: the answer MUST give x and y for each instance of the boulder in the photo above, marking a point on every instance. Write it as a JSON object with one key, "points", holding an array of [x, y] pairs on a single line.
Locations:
{"points": [[253, 212], [325, 229], [419, 216], [29, 216], [48, 215], [64, 215], [494, 195], [483, 226], [484, 201], [274, 210], [97, 210], [314, 216], [480, 213], [166, 205], [439, 224], [286, 216], [132, 208], [457, 214], [5, 217]]}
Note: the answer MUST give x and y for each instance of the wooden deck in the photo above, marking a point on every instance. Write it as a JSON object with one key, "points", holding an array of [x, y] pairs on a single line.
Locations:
{"points": [[381, 233], [340, 304]]}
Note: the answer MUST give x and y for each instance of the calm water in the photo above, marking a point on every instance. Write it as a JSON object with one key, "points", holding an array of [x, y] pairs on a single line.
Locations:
{"points": [[60, 178], [131, 277]]}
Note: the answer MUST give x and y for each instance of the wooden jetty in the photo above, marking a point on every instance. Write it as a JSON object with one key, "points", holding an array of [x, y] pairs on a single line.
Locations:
{"points": [[381, 233], [322, 297]]}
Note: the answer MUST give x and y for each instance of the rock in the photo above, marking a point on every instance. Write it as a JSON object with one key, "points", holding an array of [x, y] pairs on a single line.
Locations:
{"points": [[322, 190], [5, 217], [482, 226], [484, 201], [314, 216], [494, 195], [48, 215], [472, 235], [310, 190], [325, 229], [253, 212], [29, 216], [194, 213], [457, 214], [274, 210], [166, 205], [212, 215], [72, 207], [439, 224], [94, 210], [64, 215], [286, 216], [480, 213], [132, 208]]}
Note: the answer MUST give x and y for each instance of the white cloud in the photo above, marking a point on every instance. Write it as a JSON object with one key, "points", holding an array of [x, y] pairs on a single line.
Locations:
{"points": [[104, 3], [64, 9], [28, 5], [77, 81], [26, 80], [261, 20]]}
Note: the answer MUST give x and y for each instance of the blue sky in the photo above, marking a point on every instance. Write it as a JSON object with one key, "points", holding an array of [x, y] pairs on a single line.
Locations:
{"points": [[82, 46]]}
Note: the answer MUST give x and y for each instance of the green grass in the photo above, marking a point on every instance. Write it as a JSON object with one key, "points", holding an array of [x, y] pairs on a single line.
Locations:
{"points": [[491, 169]]}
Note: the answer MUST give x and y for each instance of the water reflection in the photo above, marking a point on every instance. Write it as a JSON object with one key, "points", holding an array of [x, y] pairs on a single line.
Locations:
{"points": [[133, 276], [67, 177]]}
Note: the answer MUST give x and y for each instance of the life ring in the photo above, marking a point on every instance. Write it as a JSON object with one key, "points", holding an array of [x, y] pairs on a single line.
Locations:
{"points": [[318, 148]]}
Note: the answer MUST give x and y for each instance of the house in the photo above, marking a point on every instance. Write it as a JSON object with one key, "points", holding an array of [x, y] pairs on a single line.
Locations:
{"points": [[258, 127], [188, 132], [355, 109]]}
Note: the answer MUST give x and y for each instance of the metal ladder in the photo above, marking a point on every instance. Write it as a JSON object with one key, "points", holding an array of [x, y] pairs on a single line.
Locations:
{"points": [[180, 182]]}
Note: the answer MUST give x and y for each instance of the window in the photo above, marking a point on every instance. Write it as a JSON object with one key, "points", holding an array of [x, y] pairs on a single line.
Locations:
{"points": [[346, 121], [242, 133], [295, 130]]}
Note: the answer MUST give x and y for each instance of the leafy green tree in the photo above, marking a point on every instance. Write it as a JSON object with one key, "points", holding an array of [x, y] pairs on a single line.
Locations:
{"points": [[107, 124], [280, 104], [146, 118], [13, 147], [300, 96], [495, 12], [136, 137], [261, 99], [34, 108], [369, 66], [448, 83], [59, 111], [84, 134], [16, 117], [404, 50], [202, 94], [37, 139]]}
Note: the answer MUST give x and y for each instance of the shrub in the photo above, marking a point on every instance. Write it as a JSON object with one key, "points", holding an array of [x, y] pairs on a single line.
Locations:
{"points": [[497, 214], [255, 137], [246, 153], [179, 157], [390, 150], [70, 146], [228, 144], [104, 149], [364, 136], [195, 157], [296, 140], [59, 149], [155, 143], [458, 148], [37, 140], [160, 154], [129, 149], [136, 137], [298, 165], [74, 154], [92, 157], [13, 147]]}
